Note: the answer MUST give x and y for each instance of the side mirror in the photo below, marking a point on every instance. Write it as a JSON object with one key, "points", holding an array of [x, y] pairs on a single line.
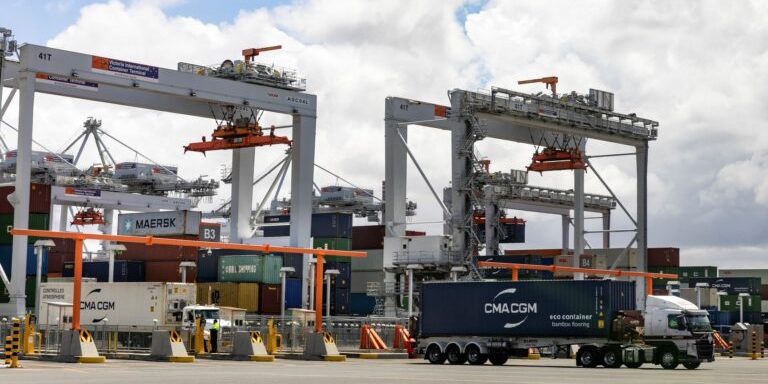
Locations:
{"points": [[681, 325]]}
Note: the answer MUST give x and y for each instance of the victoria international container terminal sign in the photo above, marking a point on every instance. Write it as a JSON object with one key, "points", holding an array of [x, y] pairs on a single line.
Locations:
{"points": [[124, 69]]}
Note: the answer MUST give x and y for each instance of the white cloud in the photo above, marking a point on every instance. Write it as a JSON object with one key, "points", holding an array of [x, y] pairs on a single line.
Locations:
{"points": [[693, 65]]}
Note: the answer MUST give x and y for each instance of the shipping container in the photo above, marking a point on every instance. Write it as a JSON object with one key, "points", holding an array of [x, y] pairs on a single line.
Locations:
{"points": [[732, 303], [368, 237], [207, 267], [374, 261], [292, 293], [6, 260], [239, 295], [662, 283], [142, 252], [36, 221], [663, 257], [166, 223], [569, 308], [592, 261], [276, 230], [359, 280], [295, 261], [687, 272], [340, 302], [360, 304], [166, 272], [760, 273], [764, 292], [269, 299], [56, 261], [344, 276], [338, 243], [332, 225], [731, 285], [709, 296], [271, 219], [241, 268], [125, 271], [124, 304], [271, 270], [505, 273], [39, 199], [30, 289]]}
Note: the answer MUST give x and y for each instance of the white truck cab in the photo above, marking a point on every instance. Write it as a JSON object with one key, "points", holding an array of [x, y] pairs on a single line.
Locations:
{"points": [[679, 330], [208, 313]]}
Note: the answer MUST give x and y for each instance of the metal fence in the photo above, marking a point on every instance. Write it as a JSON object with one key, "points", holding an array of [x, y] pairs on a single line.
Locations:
{"points": [[114, 339]]}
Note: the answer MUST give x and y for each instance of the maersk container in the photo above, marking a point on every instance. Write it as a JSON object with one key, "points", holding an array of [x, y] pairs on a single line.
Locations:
{"points": [[564, 308], [166, 223]]}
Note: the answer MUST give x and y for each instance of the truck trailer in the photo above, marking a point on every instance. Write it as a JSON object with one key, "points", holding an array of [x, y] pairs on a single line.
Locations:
{"points": [[477, 322]]}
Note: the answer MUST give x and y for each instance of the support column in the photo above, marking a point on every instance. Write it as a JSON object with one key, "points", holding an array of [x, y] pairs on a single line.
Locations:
{"points": [[395, 183], [642, 217], [302, 175], [578, 220], [63, 218], [242, 194], [566, 225], [606, 228], [491, 219], [460, 169], [106, 228], [21, 194]]}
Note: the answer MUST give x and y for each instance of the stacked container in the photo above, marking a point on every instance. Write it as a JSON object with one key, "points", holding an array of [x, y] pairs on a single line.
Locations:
{"points": [[125, 271], [39, 218], [663, 260]]}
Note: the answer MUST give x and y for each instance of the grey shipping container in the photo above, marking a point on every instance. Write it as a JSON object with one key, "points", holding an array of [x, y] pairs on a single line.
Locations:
{"points": [[169, 223], [731, 285], [565, 308]]}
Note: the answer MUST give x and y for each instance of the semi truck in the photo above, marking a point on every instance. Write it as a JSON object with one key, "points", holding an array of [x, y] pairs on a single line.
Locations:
{"points": [[484, 321], [129, 304]]}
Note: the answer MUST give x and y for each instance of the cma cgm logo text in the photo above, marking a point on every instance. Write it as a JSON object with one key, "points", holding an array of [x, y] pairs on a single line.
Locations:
{"points": [[506, 306], [91, 304]]}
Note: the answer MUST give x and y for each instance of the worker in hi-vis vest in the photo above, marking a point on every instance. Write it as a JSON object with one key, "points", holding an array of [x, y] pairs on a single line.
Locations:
{"points": [[215, 336]]}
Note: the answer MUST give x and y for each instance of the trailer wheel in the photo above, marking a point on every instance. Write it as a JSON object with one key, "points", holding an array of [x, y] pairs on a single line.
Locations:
{"points": [[454, 355], [474, 357], [691, 364], [498, 358], [668, 359], [633, 365], [588, 357], [434, 355], [612, 358]]}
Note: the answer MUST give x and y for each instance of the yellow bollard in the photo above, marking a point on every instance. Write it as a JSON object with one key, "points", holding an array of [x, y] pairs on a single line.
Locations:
{"points": [[15, 342], [730, 349], [271, 337], [753, 346], [28, 345], [199, 337], [7, 350], [762, 349]]}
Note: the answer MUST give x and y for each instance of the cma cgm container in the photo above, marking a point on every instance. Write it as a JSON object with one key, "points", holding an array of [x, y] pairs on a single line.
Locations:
{"points": [[731, 285], [480, 321]]}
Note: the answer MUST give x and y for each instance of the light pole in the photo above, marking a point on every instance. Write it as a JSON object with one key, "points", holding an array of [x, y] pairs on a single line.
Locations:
{"points": [[742, 296], [720, 295], [183, 266], [312, 262], [699, 286], [455, 272], [111, 249], [284, 272], [40, 247], [328, 275], [411, 268]]}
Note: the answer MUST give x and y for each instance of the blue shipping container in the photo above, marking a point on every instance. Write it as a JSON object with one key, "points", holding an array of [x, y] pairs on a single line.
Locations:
{"points": [[125, 271], [361, 304], [207, 266], [293, 293], [341, 280], [6, 258], [296, 261], [332, 225], [340, 302]]}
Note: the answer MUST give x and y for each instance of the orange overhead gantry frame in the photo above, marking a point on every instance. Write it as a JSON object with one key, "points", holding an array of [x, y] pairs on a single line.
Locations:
{"points": [[553, 268], [150, 240]]}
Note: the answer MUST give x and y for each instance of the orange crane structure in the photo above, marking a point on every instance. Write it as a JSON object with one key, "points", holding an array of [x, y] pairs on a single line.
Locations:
{"points": [[550, 81]]}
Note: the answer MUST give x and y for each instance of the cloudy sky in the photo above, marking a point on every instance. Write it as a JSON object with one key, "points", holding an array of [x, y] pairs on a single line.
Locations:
{"points": [[697, 67]]}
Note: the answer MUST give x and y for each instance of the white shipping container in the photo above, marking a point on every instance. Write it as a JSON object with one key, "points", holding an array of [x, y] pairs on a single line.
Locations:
{"points": [[586, 261], [167, 223], [125, 304], [709, 297]]}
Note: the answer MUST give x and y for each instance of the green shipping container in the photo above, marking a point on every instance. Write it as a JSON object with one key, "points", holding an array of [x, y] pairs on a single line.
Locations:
{"points": [[36, 221], [337, 243], [5, 296], [688, 272], [241, 268], [271, 269], [662, 283], [731, 303]]}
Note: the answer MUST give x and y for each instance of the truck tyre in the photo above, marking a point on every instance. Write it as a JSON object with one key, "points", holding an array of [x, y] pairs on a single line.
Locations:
{"points": [[588, 357], [633, 365], [498, 358], [691, 364], [474, 357], [454, 355], [612, 358], [668, 359], [434, 355]]}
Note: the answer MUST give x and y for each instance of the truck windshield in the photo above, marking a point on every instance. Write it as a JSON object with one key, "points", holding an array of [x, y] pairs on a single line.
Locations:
{"points": [[211, 314], [698, 323]]}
